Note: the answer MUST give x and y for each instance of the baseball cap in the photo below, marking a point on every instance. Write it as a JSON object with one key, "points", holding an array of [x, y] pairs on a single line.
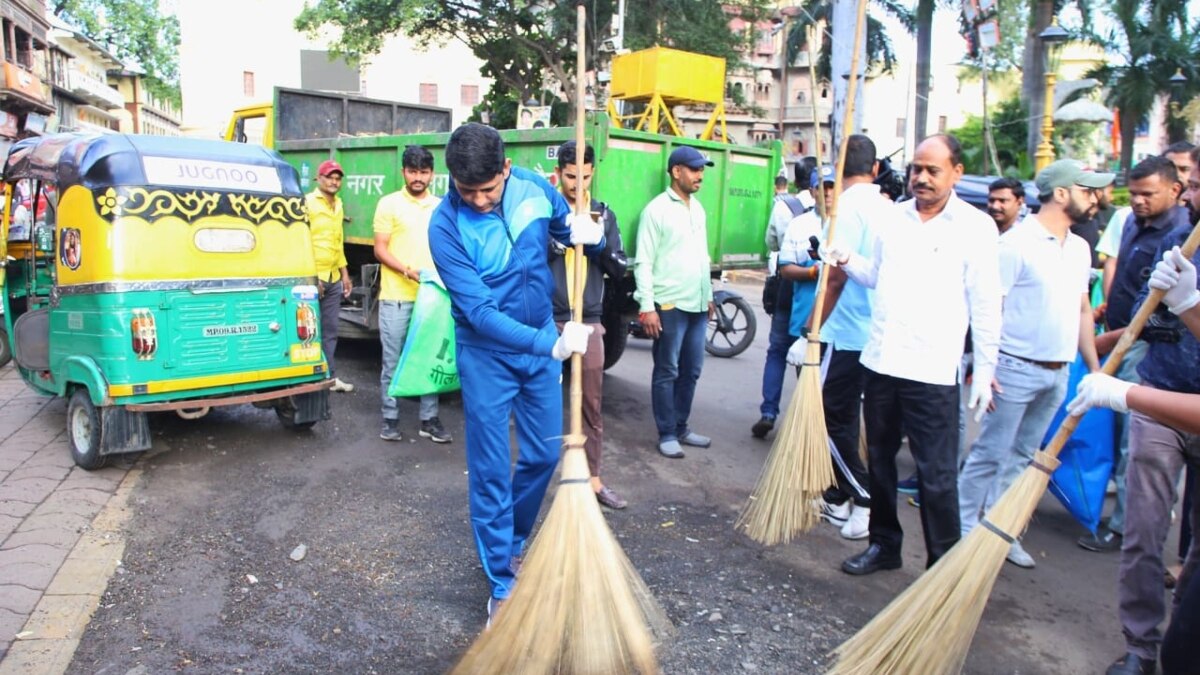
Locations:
{"points": [[1067, 172], [689, 157], [329, 166], [821, 175]]}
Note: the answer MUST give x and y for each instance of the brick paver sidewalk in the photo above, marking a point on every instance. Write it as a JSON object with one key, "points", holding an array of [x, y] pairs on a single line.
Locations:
{"points": [[58, 544]]}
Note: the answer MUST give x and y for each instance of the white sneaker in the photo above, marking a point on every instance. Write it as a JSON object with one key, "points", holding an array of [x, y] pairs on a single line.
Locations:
{"points": [[338, 385], [1018, 556], [858, 524], [835, 514]]}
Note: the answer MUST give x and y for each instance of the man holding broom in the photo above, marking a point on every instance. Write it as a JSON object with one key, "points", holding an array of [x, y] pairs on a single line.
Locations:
{"points": [[489, 238], [1047, 317], [934, 271]]}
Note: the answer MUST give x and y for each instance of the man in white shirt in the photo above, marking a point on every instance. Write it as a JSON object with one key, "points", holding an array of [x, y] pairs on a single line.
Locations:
{"points": [[935, 270], [1047, 316]]}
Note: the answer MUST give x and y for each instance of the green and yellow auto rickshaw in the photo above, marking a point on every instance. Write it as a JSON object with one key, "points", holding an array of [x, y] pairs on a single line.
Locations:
{"points": [[147, 273]]}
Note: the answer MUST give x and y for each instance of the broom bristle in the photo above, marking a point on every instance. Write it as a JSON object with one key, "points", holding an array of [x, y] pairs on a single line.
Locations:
{"points": [[785, 502], [928, 628], [579, 606]]}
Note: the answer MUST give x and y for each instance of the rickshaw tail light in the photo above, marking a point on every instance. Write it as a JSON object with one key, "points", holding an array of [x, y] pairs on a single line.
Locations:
{"points": [[144, 333], [306, 322]]}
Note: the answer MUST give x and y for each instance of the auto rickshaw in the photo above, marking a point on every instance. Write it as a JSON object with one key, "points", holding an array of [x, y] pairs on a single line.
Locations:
{"points": [[147, 273]]}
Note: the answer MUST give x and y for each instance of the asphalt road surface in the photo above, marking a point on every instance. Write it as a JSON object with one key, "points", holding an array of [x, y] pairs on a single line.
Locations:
{"points": [[391, 582]]}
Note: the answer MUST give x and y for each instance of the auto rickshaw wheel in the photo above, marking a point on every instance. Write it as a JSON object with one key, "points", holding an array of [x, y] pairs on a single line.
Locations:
{"points": [[5, 348], [285, 410], [83, 430]]}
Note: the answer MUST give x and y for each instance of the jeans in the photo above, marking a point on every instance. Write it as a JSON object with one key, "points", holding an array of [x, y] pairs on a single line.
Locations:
{"points": [[1010, 434], [394, 316], [331, 309], [1127, 371], [776, 365], [928, 414], [678, 357], [1157, 454]]}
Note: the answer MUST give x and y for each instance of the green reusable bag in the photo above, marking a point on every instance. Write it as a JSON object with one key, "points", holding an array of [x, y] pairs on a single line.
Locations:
{"points": [[427, 364]]}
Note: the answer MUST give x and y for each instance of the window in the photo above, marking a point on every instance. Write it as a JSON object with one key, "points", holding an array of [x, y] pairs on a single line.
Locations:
{"points": [[248, 83], [941, 124], [801, 96], [429, 94], [901, 126], [469, 94]]}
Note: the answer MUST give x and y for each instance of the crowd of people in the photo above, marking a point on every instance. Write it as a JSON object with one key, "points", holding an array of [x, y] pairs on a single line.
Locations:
{"points": [[910, 282]]}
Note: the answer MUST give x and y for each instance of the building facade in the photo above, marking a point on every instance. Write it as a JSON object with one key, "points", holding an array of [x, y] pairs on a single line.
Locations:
{"points": [[26, 104], [78, 71]]}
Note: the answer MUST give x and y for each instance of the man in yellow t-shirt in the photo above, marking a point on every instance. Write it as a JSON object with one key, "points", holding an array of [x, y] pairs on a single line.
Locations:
{"points": [[402, 248], [325, 217]]}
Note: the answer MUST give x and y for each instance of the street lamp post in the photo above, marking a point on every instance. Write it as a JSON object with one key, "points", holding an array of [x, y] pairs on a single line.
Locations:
{"points": [[1052, 39], [1177, 81]]}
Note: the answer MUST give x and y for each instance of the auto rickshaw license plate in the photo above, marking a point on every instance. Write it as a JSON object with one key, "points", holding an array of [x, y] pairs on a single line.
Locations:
{"points": [[304, 353]]}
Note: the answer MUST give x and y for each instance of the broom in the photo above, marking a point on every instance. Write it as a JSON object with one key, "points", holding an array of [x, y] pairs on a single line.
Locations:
{"points": [[579, 606], [928, 628], [798, 468]]}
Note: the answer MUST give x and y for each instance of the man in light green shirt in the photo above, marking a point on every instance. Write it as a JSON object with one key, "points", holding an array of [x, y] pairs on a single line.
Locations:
{"points": [[674, 294]]}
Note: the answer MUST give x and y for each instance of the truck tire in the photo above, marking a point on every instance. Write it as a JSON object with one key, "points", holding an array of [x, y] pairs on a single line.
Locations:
{"points": [[733, 329], [616, 335], [84, 430], [5, 348]]}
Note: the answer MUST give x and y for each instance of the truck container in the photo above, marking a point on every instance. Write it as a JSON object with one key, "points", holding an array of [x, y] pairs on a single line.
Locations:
{"points": [[630, 170]]}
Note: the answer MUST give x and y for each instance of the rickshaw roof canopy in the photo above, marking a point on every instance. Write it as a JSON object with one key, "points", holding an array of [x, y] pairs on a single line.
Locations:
{"points": [[103, 160]]}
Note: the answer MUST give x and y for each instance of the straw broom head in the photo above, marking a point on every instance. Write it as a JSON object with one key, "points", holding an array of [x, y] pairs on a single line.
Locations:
{"points": [[928, 628], [784, 501]]}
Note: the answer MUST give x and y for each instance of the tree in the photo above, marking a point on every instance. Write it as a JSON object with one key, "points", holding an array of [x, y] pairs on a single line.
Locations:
{"points": [[1008, 125], [136, 33], [1154, 38], [521, 42], [1033, 69]]}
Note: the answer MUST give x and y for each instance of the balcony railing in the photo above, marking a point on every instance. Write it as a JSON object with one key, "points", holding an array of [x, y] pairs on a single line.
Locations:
{"points": [[95, 91]]}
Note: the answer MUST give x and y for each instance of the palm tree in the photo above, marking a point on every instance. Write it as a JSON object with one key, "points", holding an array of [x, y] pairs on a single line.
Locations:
{"points": [[1033, 71], [1154, 38], [880, 53]]}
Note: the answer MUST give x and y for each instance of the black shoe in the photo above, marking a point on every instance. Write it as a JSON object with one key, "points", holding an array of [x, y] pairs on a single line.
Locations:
{"points": [[871, 560], [1104, 541], [1132, 664], [762, 427], [389, 432], [433, 430]]}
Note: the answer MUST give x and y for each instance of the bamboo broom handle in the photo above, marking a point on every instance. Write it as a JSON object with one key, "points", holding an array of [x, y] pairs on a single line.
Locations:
{"points": [[1127, 339], [575, 440], [814, 335], [810, 37]]}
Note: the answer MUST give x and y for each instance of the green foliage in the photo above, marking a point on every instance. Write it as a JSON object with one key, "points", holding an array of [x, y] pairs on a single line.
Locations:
{"points": [[135, 32], [1008, 129]]}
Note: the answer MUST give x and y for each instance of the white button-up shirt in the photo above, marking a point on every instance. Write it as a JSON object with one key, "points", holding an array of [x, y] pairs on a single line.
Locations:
{"points": [[932, 278], [1043, 282]]}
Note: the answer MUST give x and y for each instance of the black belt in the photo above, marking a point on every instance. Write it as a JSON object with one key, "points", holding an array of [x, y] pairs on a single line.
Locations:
{"points": [[1048, 365]]}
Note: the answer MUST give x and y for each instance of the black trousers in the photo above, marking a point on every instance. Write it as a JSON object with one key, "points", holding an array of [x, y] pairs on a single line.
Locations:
{"points": [[928, 415], [842, 395]]}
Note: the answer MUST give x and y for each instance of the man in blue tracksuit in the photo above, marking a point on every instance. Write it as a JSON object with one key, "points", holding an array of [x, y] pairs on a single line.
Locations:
{"points": [[489, 238]]}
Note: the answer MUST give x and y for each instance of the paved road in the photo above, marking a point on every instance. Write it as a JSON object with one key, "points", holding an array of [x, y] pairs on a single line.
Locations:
{"points": [[390, 582]]}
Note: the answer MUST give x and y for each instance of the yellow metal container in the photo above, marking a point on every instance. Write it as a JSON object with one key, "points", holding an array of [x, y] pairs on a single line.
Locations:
{"points": [[672, 74]]}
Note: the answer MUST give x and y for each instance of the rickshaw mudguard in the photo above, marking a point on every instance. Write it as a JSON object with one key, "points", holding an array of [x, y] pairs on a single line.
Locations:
{"points": [[83, 371]]}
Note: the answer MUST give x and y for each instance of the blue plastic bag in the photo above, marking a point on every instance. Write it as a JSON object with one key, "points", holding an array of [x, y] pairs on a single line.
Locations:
{"points": [[1086, 460]]}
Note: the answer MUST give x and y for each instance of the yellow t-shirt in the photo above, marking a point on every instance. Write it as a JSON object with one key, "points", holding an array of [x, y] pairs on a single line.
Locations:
{"points": [[406, 219], [325, 223]]}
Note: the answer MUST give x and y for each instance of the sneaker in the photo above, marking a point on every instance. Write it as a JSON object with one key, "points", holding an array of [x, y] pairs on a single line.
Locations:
{"points": [[858, 524], [1104, 541], [611, 499], [339, 385], [1019, 557], [433, 430], [670, 449], [493, 608], [762, 427], [835, 514], [390, 432], [908, 486], [914, 501], [695, 440]]}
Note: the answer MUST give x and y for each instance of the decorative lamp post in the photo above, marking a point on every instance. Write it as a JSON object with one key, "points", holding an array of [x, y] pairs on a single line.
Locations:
{"points": [[1053, 39], [1177, 81]]}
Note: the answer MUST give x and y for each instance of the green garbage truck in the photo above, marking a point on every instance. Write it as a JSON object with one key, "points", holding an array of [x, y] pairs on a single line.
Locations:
{"points": [[630, 171]]}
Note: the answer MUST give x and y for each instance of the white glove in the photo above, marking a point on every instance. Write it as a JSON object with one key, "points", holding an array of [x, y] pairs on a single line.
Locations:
{"points": [[585, 231], [1098, 389], [832, 255], [981, 392], [574, 340], [795, 355], [1176, 275]]}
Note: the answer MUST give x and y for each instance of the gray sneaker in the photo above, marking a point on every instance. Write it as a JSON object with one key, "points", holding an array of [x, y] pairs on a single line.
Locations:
{"points": [[695, 440], [433, 430], [670, 449], [390, 432]]}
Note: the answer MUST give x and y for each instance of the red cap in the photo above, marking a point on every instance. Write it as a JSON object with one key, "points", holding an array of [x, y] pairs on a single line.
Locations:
{"points": [[329, 166]]}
